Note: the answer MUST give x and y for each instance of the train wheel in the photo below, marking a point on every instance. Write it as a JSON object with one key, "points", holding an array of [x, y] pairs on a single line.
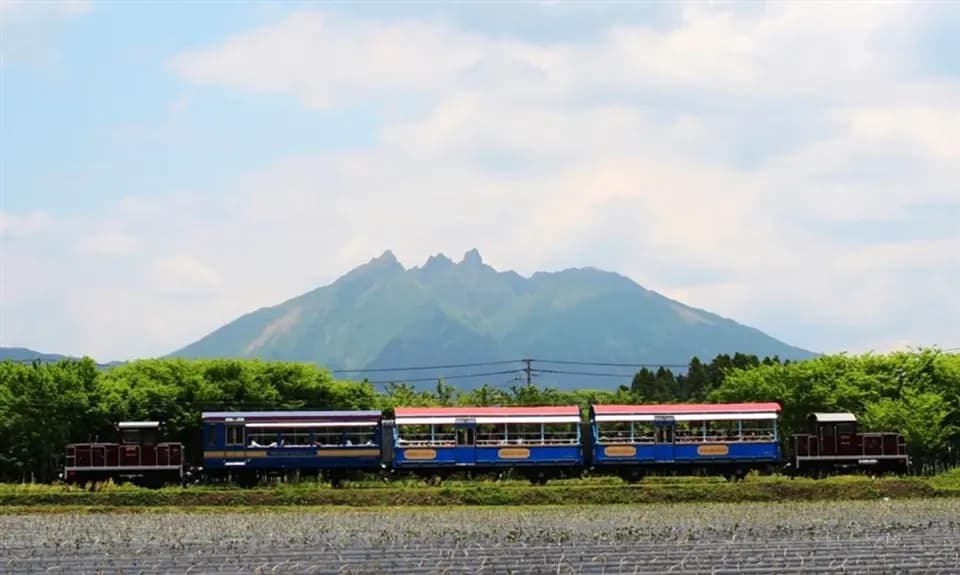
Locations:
{"points": [[538, 478], [632, 476], [248, 480]]}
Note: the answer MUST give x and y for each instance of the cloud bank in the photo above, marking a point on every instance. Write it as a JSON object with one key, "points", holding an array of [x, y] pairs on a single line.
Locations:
{"points": [[793, 167]]}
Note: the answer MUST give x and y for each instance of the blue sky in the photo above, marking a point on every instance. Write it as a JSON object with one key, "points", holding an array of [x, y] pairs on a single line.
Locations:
{"points": [[170, 166]]}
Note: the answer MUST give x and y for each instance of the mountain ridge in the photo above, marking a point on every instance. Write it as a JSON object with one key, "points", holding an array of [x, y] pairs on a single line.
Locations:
{"points": [[382, 315]]}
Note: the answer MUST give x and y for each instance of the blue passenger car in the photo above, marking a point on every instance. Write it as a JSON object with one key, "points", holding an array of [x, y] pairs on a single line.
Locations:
{"points": [[538, 442], [732, 438], [253, 444]]}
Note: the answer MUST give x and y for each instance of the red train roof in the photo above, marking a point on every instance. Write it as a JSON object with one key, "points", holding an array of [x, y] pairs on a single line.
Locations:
{"points": [[486, 411], [660, 409]]}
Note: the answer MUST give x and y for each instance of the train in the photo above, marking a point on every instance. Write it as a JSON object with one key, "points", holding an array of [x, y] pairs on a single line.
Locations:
{"points": [[537, 443]]}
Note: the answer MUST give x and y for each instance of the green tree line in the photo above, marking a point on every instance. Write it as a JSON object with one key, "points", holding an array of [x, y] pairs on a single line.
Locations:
{"points": [[44, 406]]}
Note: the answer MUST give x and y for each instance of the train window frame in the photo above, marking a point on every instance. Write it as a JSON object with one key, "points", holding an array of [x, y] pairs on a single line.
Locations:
{"points": [[233, 430], [427, 435], [758, 430], [666, 435], [626, 432], [259, 436], [845, 428], [466, 437], [343, 435]]}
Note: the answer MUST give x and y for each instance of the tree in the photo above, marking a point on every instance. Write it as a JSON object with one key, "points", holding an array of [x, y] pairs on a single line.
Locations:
{"points": [[698, 380], [643, 384]]}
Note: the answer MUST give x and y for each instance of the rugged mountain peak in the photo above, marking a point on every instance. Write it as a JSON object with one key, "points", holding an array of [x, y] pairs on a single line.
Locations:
{"points": [[381, 315], [386, 257], [386, 264], [437, 262], [472, 258]]}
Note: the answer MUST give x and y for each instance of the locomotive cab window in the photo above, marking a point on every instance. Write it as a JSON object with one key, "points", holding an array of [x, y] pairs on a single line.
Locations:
{"points": [[131, 436]]}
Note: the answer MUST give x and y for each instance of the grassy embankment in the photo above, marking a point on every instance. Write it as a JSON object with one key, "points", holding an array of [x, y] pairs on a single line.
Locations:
{"points": [[565, 492]]}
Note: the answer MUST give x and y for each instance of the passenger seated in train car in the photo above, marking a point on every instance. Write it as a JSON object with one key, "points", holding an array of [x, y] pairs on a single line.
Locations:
{"points": [[254, 443], [625, 432]]}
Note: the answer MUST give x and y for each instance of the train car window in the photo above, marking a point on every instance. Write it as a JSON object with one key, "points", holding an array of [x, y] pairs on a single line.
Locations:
{"points": [[723, 430], [643, 432], [613, 432], [491, 434], [235, 435], [261, 437], [443, 435], [690, 431], [758, 430], [665, 434], [465, 436], [525, 433], [299, 437], [340, 436], [559, 433], [211, 437]]}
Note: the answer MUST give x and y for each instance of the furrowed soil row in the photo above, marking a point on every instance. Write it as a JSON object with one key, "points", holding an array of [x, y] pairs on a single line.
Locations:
{"points": [[862, 537]]}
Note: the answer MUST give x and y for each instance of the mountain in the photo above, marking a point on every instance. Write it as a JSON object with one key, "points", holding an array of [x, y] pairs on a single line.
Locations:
{"points": [[25, 355], [22, 354], [381, 316]]}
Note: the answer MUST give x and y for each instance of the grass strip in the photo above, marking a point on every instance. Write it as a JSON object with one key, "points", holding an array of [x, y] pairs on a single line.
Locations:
{"points": [[485, 493]]}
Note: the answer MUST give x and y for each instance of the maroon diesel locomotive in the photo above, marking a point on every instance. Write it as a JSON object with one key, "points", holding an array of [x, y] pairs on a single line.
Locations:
{"points": [[138, 458], [833, 444]]}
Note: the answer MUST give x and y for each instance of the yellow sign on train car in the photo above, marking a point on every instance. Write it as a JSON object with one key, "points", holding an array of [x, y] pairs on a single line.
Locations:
{"points": [[420, 454], [513, 453], [620, 451], [348, 452], [239, 454], [713, 450]]}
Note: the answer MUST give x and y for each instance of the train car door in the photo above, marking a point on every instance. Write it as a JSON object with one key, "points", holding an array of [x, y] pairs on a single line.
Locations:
{"points": [[665, 426], [466, 428]]}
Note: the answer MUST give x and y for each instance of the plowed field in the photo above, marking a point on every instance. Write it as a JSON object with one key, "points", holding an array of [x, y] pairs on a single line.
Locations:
{"points": [[921, 536]]}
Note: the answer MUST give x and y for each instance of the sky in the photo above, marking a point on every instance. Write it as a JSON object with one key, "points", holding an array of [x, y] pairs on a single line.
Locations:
{"points": [[168, 167]]}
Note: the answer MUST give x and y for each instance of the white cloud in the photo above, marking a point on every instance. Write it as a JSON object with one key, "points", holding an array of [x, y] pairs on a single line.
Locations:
{"points": [[109, 242], [30, 28], [325, 61], [15, 225], [27, 8], [183, 274], [624, 152]]}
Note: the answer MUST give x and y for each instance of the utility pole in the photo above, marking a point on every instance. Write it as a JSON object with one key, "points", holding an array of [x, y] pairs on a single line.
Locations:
{"points": [[529, 371]]}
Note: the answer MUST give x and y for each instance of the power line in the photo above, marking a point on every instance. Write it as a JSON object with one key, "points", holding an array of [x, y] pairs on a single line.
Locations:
{"points": [[590, 373], [610, 364], [424, 367], [457, 376]]}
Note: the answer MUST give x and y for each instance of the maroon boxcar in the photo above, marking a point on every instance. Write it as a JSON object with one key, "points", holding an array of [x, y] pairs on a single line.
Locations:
{"points": [[834, 444], [138, 458]]}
